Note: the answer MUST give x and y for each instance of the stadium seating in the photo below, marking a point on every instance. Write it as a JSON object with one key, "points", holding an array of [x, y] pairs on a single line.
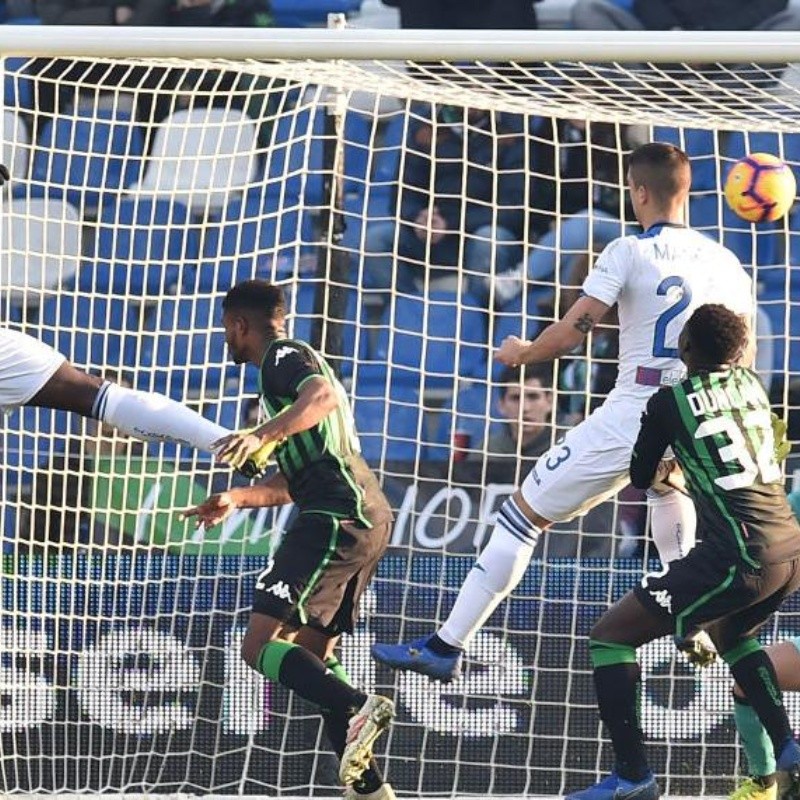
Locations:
{"points": [[294, 158], [142, 248], [17, 87], [80, 158], [40, 248], [423, 337], [256, 237], [299, 13], [92, 331], [388, 417], [183, 352], [466, 412], [16, 145], [220, 143]]}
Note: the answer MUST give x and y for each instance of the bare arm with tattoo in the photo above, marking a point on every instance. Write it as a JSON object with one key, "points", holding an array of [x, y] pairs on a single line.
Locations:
{"points": [[560, 338]]}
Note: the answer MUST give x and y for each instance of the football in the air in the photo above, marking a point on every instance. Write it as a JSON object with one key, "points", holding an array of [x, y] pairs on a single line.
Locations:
{"points": [[760, 188]]}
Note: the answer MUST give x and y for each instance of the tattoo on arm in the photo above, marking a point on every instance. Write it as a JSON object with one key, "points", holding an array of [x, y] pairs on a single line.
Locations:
{"points": [[584, 323]]}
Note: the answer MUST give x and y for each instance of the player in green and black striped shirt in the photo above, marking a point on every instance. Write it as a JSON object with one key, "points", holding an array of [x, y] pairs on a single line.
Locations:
{"points": [[746, 562], [310, 591]]}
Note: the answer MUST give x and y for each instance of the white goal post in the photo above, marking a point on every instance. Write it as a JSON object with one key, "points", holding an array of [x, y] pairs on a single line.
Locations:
{"points": [[152, 169]]}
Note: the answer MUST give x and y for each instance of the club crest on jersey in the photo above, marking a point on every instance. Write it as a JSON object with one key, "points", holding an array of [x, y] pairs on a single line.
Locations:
{"points": [[283, 351]]}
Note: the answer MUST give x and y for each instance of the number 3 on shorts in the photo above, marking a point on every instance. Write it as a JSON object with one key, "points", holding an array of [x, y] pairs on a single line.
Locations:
{"points": [[554, 461]]}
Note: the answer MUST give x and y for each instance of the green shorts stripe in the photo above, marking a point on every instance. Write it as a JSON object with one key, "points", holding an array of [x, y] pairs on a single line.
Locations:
{"points": [[315, 576], [703, 599]]}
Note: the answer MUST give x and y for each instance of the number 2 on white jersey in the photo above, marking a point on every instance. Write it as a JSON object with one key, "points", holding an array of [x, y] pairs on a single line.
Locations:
{"points": [[660, 349]]}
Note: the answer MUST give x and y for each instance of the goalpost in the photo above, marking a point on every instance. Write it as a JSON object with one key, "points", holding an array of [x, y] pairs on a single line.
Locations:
{"points": [[154, 168]]}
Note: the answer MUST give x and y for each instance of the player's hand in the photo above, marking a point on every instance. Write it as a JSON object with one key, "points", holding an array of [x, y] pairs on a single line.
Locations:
{"points": [[512, 351], [669, 476], [236, 448], [698, 648], [211, 511], [782, 446], [5, 175]]}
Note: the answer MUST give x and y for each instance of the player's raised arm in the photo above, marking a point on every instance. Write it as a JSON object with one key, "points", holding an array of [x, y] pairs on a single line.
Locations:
{"points": [[558, 339]]}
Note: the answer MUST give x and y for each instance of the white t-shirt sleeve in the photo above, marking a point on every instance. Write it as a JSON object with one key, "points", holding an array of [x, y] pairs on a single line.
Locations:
{"points": [[607, 278]]}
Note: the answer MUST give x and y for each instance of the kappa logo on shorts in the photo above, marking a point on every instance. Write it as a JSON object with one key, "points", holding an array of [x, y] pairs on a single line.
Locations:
{"points": [[663, 598], [283, 351], [280, 589]]}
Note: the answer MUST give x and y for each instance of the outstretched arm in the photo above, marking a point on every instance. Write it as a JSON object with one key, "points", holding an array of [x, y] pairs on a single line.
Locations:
{"points": [[272, 492], [560, 338], [316, 399]]}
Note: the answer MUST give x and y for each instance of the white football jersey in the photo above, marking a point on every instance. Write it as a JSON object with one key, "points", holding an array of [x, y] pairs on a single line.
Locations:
{"points": [[658, 279]]}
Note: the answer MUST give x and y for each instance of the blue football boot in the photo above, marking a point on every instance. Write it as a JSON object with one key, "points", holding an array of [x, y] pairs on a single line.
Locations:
{"points": [[418, 657]]}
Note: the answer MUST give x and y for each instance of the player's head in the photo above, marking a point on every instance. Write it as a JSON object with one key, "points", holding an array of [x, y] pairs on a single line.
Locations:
{"points": [[659, 177], [526, 395], [713, 336], [253, 313]]}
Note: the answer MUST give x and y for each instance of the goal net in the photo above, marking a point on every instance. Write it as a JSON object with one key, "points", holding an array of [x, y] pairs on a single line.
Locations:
{"points": [[417, 210]]}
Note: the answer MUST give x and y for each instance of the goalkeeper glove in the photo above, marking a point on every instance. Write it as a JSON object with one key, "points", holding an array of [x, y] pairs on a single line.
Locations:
{"points": [[255, 465], [698, 648], [782, 446]]}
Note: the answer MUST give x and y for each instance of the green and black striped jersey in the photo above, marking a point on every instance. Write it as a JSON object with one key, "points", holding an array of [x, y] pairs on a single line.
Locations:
{"points": [[323, 465], [719, 427]]}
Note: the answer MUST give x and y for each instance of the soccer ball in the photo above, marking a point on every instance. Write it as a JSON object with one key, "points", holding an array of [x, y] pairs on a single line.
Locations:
{"points": [[760, 188]]}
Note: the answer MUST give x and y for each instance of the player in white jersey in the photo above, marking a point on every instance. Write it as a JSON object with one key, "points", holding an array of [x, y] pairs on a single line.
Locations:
{"points": [[656, 279]]}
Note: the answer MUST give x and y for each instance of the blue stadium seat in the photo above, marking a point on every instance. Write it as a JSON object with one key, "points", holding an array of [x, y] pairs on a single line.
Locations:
{"points": [[142, 247], [355, 337], [17, 87], [701, 146], [32, 435], [468, 412], [705, 212], [437, 339], [183, 349], [299, 13], [81, 157], [359, 146], [90, 330], [388, 417], [386, 167], [294, 158], [257, 237]]}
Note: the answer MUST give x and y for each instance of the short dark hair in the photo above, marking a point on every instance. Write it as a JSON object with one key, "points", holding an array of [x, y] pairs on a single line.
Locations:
{"points": [[256, 297], [717, 334], [512, 376], [662, 168]]}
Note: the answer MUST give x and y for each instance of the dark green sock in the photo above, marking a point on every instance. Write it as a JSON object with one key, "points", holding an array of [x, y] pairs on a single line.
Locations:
{"points": [[755, 741], [300, 670], [336, 731], [753, 671], [616, 680]]}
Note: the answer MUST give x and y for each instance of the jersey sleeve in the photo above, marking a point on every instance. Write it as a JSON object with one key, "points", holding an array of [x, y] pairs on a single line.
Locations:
{"points": [[287, 365], [653, 439], [607, 278]]}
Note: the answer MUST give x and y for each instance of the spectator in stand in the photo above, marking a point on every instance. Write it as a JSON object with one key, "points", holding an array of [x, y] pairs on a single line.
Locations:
{"points": [[461, 198], [691, 15], [466, 14], [579, 180], [526, 404]]}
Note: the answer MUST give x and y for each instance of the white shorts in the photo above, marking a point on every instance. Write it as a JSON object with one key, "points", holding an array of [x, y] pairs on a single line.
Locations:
{"points": [[26, 364], [589, 465]]}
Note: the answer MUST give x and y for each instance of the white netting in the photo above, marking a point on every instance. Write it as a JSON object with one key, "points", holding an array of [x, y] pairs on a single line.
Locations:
{"points": [[141, 191]]}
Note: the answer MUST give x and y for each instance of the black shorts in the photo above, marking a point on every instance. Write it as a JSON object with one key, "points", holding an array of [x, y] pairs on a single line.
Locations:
{"points": [[728, 597], [319, 572]]}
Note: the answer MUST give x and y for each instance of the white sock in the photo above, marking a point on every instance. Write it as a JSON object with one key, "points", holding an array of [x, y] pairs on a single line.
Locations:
{"points": [[673, 522], [496, 573], [154, 417]]}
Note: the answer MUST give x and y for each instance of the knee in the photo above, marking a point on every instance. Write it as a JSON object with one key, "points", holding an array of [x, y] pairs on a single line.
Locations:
{"points": [[251, 650]]}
